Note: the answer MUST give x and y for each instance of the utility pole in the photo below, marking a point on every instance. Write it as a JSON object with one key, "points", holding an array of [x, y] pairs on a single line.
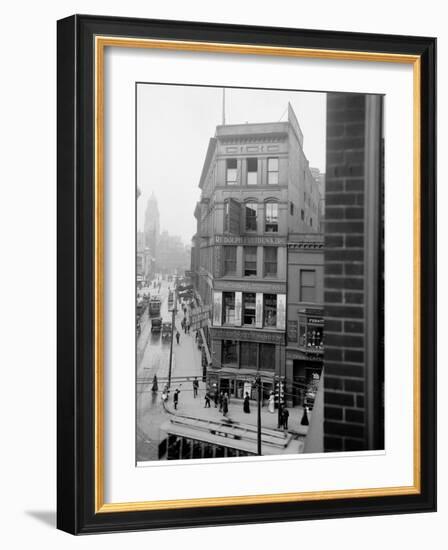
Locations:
{"points": [[173, 319], [258, 384]]}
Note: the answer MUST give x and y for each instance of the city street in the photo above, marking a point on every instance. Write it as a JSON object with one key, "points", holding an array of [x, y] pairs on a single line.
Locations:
{"points": [[153, 355], [153, 359]]}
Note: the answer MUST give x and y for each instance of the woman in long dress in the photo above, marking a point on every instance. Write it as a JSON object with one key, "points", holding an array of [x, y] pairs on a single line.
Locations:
{"points": [[246, 406], [271, 404]]}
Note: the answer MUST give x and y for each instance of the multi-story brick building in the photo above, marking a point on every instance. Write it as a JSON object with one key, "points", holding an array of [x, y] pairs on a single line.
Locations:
{"points": [[305, 322], [256, 189], [353, 283]]}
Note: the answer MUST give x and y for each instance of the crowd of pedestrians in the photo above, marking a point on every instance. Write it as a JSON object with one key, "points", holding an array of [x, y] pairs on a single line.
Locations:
{"points": [[221, 399]]}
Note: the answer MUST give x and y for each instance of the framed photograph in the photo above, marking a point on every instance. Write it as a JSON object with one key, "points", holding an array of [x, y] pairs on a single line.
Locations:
{"points": [[246, 274]]}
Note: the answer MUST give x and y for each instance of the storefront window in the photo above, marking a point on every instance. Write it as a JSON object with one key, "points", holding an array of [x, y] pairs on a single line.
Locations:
{"points": [[228, 308], [311, 333], [229, 352], [267, 356], [314, 338], [249, 308], [249, 354], [270, 310]]}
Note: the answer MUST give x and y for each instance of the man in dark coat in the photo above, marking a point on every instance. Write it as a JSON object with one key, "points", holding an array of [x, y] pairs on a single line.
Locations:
{"points": [[176, 398], [177, 336], [195, 387], [216, 397], [225, 404], [207, 401], [285, 416], [246, 405]]}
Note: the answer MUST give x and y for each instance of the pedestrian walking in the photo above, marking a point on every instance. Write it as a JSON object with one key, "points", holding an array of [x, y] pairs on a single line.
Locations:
{"points": [[216, 396], [225, 404], [165, 393], [246, 404], [195, 387], [176, 398], [188, 327], [177, 336], [182, 323], [285, 417], [155, 385], [196, 336], [280, 418], [271, 404], [207, 401], [305, 421]]}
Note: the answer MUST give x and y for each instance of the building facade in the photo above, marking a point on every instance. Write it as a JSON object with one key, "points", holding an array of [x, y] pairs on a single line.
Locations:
{"points": [[256, 188], [354, 270], [305, 316]]}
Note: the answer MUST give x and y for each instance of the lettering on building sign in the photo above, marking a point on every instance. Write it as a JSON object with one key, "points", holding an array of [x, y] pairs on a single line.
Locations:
{"points": [[217, 308], [255, 335], [201, 316], [250, 240], [315, 321], [266, 286]]}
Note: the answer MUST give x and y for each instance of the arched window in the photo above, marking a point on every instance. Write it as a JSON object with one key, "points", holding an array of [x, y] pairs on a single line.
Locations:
{"points": [[250, 212], [271, 217]]}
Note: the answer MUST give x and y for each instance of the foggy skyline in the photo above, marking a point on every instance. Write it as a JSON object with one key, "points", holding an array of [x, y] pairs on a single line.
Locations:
{"points": [[174, 125]]}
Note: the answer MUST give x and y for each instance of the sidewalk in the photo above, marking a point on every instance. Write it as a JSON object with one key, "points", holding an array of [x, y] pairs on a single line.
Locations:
{"points": [[195, 407]]}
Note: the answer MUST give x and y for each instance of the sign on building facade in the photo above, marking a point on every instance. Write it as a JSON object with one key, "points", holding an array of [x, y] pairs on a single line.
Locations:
{"points": [[201, 316]]}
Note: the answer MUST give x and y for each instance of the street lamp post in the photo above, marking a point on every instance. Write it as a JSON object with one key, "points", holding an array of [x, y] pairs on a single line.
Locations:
{"points": [[258, 385], [173, 319]]}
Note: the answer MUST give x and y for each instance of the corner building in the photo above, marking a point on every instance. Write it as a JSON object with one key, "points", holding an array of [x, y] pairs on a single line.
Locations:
{"points": [[256, 188]]}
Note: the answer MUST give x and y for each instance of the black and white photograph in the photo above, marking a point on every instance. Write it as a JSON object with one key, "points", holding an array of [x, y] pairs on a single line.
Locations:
{"points": [[259, 272]]}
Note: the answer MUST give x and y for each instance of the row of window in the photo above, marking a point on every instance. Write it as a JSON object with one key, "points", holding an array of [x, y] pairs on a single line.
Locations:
{"points": [[248, 355], [250, 261], [252, 171], [230, 315], [251, 217]]}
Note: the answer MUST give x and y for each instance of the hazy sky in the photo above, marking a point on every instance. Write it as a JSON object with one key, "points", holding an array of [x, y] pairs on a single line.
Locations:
{"points": [[174, 125]]}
